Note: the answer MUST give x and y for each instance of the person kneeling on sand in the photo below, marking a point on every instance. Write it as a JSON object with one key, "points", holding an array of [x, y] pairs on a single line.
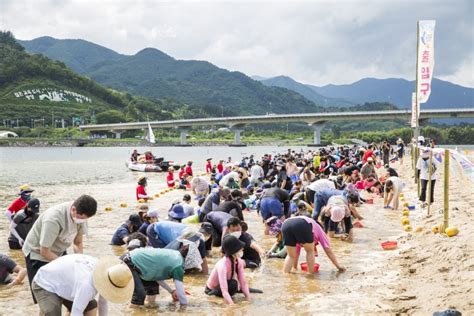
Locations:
{"points": [[74, 281], [227, 278]]}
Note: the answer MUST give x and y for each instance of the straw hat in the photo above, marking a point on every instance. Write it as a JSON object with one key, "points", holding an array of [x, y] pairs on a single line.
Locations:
{"points": [[113, 280]]}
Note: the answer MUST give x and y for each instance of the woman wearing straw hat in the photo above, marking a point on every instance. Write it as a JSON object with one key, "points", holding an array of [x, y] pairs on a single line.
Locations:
{"points": [[74, 281]]}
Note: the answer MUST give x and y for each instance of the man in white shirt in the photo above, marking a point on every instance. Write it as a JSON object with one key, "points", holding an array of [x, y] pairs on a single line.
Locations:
{"points": [[422, 166], [74, 281], [256, 174], [393, 188]]}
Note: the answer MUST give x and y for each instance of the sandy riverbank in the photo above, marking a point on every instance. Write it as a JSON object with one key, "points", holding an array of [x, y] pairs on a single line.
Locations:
{"points": [[376, 281]]}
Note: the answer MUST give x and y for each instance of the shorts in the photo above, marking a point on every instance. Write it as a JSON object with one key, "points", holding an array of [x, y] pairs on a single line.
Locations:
{"points": [[50, 304], [142, 288], [297, 231], [269, 207]]}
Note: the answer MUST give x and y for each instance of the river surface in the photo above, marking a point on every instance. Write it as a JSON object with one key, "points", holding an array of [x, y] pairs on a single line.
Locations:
{"points": [[62, 174]]}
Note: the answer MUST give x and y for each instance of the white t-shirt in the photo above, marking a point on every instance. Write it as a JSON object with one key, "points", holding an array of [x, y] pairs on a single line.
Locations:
{"points": [[424, 165], [398, 184], [225, 179], [321, 184], [70, 277], [256, 172]]}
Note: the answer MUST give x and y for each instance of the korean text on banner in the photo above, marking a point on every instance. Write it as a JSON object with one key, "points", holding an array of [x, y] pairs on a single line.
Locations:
{"points": [[425, 57]]}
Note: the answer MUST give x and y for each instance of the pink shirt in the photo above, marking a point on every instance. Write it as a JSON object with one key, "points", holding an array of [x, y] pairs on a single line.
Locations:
{"points": [[222, 272], [318, 234]]}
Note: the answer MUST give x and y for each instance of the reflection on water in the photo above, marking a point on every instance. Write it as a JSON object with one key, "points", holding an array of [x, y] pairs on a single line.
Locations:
{"points": [[61, 174]]}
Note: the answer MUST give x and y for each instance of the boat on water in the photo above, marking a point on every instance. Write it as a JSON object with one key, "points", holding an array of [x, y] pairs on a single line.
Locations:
{"points": [[158, 165]]}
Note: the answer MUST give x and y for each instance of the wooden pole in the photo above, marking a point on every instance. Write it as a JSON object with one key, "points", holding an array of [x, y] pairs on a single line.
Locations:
{"points": [[428, 194], [446, 188]]}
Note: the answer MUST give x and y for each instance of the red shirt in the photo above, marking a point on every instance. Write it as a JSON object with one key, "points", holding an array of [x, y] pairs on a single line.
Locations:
{"points": [[367, 154], [208, 167], [189, 171], [170, 180], [17, 205], [141, 191], [181, 174], [220, 167]]}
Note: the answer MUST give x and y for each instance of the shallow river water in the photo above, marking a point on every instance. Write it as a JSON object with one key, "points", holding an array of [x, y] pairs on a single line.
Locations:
{"points": [[62, 174]]}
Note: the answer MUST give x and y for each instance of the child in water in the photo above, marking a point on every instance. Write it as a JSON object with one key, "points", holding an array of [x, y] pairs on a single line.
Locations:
{"points": [[228, 278], [278, 249]]}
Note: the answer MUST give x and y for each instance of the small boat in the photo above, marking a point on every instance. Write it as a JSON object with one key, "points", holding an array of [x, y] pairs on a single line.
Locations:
{"points": [[159, 165]]}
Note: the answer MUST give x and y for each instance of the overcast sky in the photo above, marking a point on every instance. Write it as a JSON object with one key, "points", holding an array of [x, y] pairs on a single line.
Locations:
{"points": [[317, 42]]}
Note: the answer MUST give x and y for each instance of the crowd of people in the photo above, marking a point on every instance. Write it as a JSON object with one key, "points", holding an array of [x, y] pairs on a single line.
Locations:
{"points": [[304, 200]]}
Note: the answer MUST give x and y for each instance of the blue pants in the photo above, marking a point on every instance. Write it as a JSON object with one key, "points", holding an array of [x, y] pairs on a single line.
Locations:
{"points": [[271, 206]]}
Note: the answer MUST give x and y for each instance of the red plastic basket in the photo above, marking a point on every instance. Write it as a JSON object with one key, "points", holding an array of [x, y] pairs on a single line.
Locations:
{"points": [[389, 245]]}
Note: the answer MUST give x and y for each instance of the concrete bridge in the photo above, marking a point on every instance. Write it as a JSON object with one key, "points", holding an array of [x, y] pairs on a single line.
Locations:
{"points": [[315, 121]]}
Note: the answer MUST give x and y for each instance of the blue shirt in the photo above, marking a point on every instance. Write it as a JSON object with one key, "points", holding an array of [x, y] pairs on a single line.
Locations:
{"points": [[153, 238], [143, 228], [168, 231], [120, 234], [321, 199]]}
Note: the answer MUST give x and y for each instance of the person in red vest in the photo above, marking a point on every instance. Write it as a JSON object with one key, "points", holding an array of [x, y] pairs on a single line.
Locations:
{"points": [[141, 193], [209, 165], [220, 166], [170, 178], [189, 169], [19, 203]]}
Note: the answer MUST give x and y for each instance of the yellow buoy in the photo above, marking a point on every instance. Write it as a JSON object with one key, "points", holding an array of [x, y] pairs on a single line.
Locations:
{"points": [[452, 231], [108, 209], [405, 204], [407, 228], [406, 209], [419, 229], [406, 213], [157, 195], [405, 221], [442, 229], [141, 201], [402, 195], [123, 204], [150, 198], [435, 229]]}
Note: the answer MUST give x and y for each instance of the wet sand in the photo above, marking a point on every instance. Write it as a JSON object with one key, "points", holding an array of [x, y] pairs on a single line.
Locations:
{"points": [[376, 281]]}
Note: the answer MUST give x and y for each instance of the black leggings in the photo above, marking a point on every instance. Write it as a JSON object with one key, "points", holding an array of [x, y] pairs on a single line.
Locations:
{"points": [[232, 287], [424, 187]]}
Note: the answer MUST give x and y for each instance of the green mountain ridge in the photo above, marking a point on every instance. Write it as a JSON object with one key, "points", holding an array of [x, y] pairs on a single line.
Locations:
{"points": [[152, 73]]}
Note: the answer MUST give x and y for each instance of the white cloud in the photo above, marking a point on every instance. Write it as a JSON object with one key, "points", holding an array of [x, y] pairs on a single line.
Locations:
{"points": [[316, 42]]}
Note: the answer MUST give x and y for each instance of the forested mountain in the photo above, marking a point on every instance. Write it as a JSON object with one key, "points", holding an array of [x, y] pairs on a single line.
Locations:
{"points": [[152, 73]]}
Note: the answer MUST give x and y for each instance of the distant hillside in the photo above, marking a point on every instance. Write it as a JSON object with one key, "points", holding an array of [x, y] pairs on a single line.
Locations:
{"points": [[398, 91], [34, 87], [152, 73], [77, 54], [305, 90]]}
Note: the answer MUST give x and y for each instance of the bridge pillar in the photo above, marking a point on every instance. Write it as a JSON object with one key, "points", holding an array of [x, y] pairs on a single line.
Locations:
{"points": [[183, 133], [237, 129], [118, 135], [317, 128]]}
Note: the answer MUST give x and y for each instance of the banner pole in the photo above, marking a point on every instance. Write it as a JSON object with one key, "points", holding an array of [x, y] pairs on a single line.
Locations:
{"points": [[417, 155], [428, 194], [446, 188], [416, 131]]}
